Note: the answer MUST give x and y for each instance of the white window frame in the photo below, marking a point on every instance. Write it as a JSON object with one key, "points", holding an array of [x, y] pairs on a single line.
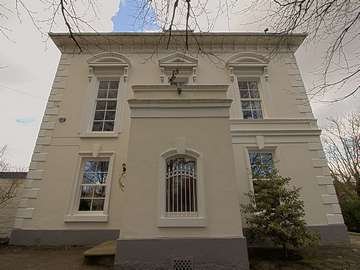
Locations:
{"points": [[73, 214], [91, 106], [267, 149], [260, 83], [182, 221]]}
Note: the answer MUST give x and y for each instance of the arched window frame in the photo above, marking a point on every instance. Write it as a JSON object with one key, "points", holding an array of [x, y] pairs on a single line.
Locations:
{"points": [[198, 220]]}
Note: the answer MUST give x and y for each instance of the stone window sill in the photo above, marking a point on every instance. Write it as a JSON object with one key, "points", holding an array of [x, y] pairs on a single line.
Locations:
{"points": [[165, 222], [86, 218], [100, 135]]}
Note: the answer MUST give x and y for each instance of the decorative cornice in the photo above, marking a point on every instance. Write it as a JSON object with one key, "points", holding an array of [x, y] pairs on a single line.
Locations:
{"points": [[178, 60], [274, 127], [185, 88], [108, 59], [247, 59], [179, 103], [158, 41]]}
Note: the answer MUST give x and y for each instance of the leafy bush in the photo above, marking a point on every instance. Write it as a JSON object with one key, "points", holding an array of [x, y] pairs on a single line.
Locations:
{"points": [[351, 213], [276, 213]]}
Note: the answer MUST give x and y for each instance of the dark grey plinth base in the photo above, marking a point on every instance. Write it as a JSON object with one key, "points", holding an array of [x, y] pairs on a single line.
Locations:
{"points": [[204, 253], [332, 234], [61, 237]]}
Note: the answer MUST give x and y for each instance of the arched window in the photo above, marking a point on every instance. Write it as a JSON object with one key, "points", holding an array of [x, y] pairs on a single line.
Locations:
{"points": [[181, 198]]}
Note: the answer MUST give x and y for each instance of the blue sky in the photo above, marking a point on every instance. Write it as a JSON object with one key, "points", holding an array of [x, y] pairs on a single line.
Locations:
{"points": [[128, 19]]}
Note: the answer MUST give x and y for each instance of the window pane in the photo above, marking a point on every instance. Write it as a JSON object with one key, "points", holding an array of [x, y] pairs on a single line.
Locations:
{"points": [[252, 84], [244, 94], [111, 105], [106, 105], [87, 191], [98, 205], [257, 115], [99, 192], [250, 100], [243, 85], [245, 105], [100, 178], [102, 166], [97, 126], [84, 205], [102, 94], [99, 115], [114, 85], [110, 115], [112, 94], [254, 94], [247, 115], [100, 105], [90, 166], [109, 126], [256, 105], [103, 84], [89, 178], [92, 190], [261, 163]]}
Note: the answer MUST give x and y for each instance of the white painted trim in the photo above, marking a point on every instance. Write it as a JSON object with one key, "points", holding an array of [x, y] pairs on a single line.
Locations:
{"points": [[100, 217], [121, 60], [182, 222], [185, 88], [260, 83], [100, 134], [73, 215], [267, 149], [89, 112], [200, 220]]}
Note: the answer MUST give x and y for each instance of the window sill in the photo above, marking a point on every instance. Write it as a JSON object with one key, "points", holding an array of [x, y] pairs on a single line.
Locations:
{"points": [[165, 222], [100, 135], [86, 218]]}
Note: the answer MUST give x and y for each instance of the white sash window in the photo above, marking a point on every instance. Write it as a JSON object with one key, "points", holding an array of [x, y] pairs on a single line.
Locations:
{"points": [[106, 103]]}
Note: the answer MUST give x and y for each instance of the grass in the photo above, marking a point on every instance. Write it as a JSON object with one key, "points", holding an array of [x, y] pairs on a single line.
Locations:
{"points": [[340, 257]]}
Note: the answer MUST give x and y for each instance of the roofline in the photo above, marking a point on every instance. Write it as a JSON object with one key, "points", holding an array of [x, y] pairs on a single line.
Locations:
{"points": [[196, 39], [177, 33]]}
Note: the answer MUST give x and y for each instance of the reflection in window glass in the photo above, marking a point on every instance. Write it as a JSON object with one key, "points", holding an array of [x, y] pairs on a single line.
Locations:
{"points": [[93, 185], [250, 100], [106, 102]]}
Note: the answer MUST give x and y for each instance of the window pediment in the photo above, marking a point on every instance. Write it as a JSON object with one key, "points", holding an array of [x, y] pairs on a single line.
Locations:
{"points": [[179, 64], [178, 60], [249, 63], [108, 59], [247, 59], [108, 63]]}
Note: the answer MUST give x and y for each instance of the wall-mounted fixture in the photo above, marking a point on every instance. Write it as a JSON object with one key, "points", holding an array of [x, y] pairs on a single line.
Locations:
{"points": [[62, 119]]}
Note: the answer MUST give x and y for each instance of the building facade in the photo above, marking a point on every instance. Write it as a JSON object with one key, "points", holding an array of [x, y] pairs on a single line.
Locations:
{"points": [[156, 146]]}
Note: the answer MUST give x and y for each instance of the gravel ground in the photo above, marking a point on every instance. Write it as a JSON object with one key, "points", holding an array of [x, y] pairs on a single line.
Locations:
{"points": [[41, 258], [71, 258]]}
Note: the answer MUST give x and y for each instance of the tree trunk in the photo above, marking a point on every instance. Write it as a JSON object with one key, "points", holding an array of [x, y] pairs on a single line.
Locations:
{"points": [[285, 251]]}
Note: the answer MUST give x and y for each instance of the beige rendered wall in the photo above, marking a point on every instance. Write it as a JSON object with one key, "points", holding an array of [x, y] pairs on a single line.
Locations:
{"points": [[53, 168], [142, 190]]}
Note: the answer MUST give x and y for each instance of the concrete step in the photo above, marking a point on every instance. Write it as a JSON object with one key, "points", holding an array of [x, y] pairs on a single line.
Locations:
{"points": [[102, 254]]}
